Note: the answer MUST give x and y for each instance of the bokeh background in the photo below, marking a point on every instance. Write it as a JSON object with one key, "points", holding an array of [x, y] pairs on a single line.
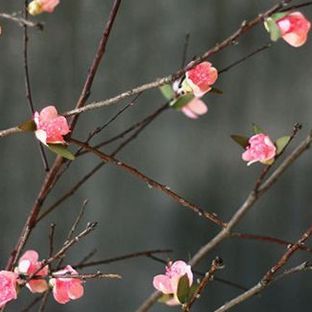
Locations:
{"points": [[197, 159]]}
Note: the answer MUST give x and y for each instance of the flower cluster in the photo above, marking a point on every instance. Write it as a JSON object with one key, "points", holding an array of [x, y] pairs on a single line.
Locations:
{"points": [[168, 283], [35, 274], [197, 81]]}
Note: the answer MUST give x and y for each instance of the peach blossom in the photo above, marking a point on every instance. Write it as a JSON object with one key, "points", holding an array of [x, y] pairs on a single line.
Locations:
{"points": [[168, 283], [7, 287], [36, 7], [66, 288], [260, 149], [194, 108], [28, 264], [294, 28], [50, 126], [201, 77]]}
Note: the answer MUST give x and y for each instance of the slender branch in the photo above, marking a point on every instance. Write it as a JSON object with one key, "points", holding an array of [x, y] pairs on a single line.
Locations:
{"points": [[147, 253], [97, 60], [269, 239], [9, 131], [150, 182], [33, 303], [44, 301], [51, 239], [28, 85], [97, 275], [298, 6], [21, 21]]}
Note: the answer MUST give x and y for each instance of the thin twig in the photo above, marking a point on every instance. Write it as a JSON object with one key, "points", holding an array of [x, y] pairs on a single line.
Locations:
{"points": [[33, 303], [21, 21], [44, 301], [146, 253], [150, 182], [28, 85], [298, 6], [51, 238], [268, 239]]}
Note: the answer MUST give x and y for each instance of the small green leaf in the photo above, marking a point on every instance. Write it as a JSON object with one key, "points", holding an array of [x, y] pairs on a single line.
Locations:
{"points": [[28, 125], [256, 129], [281, 143], [272, 28], [241, 140], [61, 150], [183, 289], [216, 91], [164, 298], [167, 91], [181, 101]]}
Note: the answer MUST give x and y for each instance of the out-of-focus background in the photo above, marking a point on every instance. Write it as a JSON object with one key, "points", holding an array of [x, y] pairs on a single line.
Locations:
{"points": [[197, 159]]}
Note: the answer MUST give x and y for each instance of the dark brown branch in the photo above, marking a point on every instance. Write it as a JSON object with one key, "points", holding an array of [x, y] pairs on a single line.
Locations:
{"points": [[150, 182], [147, 253], [269, 239], [27, 83]]}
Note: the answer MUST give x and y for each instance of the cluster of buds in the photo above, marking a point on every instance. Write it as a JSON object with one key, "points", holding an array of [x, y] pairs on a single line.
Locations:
{"points": [[65, 284]]}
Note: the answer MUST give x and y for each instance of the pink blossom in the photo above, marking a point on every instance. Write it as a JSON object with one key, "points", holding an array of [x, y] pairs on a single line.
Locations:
{"points": [[66, 288], [294, 28], [201, 77], [28, 264], [260, 149], [7, 287], [36, 7], [50, 126], [195, 108], [168, 283]]}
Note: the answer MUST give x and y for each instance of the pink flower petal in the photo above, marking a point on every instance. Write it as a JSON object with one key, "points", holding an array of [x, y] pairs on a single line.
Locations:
{"points": [[162, 283], [7, 287], [37, 286], [75, 290]]}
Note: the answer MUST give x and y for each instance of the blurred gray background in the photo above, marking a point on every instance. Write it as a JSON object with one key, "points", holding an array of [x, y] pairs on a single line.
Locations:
{"points": [[197, 159]]}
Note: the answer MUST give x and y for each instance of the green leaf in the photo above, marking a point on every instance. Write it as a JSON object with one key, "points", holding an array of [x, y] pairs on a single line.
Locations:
{"points": [[216, 91], [256, 129], [167, 91], [181, 101], [28, 125], [241, 140], [61, 150], [281, 143], [272, 28], [183, 289], [164, 298]]}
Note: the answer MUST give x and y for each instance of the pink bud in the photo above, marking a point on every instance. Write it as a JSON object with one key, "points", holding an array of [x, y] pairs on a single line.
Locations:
{"points": [[168, 283], [194, 108], [294, 28], [66, 288], [28, 264], [201, 77], [50, 126], [36, 7], [7, 287], [260, 149]]}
